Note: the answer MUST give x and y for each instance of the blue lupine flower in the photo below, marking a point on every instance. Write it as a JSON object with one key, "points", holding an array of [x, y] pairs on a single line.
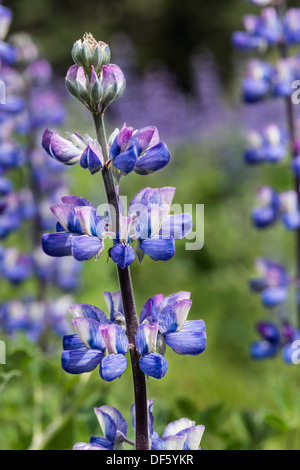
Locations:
{"points": [[269, 345], [139, 150], [272, 283], [268, 213], [270, 145], [291, 26], [114, 429], [74, 149], [96, 336], [169, 316], [151, 363], [257, 84], [80, 230]]}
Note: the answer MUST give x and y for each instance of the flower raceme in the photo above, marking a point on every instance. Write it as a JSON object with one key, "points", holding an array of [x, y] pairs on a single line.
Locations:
{"points": [[140, 151], [268, 30], [102, 341], [81, 230]]}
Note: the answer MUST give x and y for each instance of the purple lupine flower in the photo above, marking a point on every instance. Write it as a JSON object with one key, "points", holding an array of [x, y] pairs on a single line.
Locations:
{"points": [[184, 337], [80, 230], [269, 345], [272, 282], [114, 429], [270, 145], [96, 335], [74, 149], [139, 150], [257, 84], [152, 226], [27, 315], [151, 363], [290, 210], [269, 210]]}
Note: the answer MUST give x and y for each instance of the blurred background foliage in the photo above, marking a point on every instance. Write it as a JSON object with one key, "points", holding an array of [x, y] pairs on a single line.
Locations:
{"points": [[243, 404]]}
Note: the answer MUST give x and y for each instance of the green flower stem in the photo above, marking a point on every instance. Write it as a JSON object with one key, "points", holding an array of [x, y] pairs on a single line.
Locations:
{"points": [[139, 380]]}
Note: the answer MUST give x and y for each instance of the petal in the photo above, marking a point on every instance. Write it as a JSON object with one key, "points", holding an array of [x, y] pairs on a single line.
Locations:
{"points": [[148, 197], [149, 309], [153, 159], [176, 426], [121, 142], [66, 216], [89, 333], [264, 216], [269, 331], [173, 316], [115, 416], [57, 244], [291, 220], [63, 150], [193, 436], [168, 443], [92, 158], [177, 226], [263, 350], [115, 338], [85, 247], [88, 446], [144, 138], [72, 342], [80, 360], [88, 219], [191, 339], [89, 311], [122, 255], [115, 305], [154, 365], [273, 296], [159, 249], [76, 201], [146, 338], [126, 161], [112, 366], [46, 139]]}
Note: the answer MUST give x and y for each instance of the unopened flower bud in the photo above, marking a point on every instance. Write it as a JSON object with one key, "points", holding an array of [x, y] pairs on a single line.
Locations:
{"points": [[88, 52]]}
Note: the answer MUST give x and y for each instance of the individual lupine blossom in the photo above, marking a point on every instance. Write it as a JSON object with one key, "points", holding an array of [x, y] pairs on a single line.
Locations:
{"points": [[270, 145], [276, 207], [268, 30], [275, 339], [114, 429], [272, 283], [81, 230], [150, 224], [93, 80], [140, 151], [182, 434], [99, 341], [164, 322]]}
